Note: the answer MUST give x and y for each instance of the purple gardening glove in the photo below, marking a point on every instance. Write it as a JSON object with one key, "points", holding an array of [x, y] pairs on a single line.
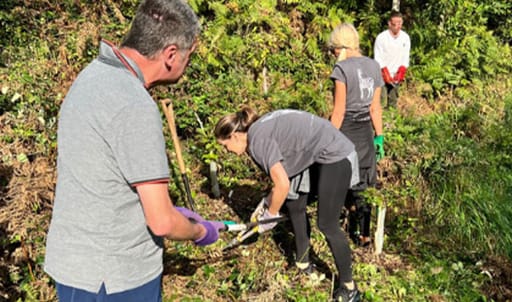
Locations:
{"points": [[191, 215], [262, 228], [212, 232], [212, 227]]}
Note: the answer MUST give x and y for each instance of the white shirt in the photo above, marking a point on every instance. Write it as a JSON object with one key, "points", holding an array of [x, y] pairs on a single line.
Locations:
{"points": [[392, 52]]}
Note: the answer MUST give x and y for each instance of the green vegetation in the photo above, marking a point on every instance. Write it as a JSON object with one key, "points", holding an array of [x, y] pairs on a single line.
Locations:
{"points": [[446, 179]]}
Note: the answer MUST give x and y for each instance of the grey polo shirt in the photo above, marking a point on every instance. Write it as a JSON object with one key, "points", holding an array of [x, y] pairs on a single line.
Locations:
{"points": [[109, 138], [297, 139]]}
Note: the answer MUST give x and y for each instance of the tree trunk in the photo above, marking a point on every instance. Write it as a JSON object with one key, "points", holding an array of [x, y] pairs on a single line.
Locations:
{"points": [[396, 5]]}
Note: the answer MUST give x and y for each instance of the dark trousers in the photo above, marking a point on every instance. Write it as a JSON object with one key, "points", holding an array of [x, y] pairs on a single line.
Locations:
{"points": [[361, 134], [331, 187], [389, 95], [359, 218], [300, 224], [333, 183], [149, 292]]}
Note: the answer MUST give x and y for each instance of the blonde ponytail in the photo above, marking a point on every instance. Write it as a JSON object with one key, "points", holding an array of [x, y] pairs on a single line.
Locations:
{"points": [[343, 55], [344, 36]]}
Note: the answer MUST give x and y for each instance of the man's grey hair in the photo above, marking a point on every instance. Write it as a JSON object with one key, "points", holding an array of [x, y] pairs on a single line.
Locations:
{"points": [[160, 23]]}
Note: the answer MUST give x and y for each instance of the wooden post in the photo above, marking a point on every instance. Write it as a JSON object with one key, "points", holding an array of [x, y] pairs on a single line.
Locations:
{"points": [[213, 179], [379, 232]]}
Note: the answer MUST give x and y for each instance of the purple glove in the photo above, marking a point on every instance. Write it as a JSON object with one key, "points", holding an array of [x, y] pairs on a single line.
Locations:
{"points": [[191, 215], [212, 232]]}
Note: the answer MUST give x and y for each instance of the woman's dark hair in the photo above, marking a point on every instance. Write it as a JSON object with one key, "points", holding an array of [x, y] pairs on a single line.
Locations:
{"points": [[235, 122]]}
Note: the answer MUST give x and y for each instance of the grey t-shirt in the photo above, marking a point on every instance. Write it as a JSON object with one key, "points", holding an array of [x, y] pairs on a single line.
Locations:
{"points": [[297, 139], [109, 138], [361, 76]]}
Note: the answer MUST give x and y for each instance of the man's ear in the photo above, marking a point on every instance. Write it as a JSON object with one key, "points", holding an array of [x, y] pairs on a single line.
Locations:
{"points": [[169, 54]]}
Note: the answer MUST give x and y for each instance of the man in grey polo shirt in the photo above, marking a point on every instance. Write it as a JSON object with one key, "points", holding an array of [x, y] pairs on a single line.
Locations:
{"points": [[112, 207]]}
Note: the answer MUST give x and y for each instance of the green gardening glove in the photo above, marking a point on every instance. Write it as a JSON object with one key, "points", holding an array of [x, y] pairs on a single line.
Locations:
{"points": [[378, 142]]}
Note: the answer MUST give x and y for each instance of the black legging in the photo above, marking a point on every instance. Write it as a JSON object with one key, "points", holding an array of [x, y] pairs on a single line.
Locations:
{"points": [[300, 224], [333, 183]]}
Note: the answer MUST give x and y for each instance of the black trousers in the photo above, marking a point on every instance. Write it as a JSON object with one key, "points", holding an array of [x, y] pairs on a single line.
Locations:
{"points": [[361, 134], [389, 95], [333, 181]]}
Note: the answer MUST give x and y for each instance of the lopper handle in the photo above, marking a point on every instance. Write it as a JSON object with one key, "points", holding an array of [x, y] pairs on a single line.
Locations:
{"points": [[169, 115], [232, 226]]}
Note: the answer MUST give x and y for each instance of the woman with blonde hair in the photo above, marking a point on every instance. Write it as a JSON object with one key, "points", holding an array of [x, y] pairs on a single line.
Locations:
{"points": [[284, 143], [357, 113]]}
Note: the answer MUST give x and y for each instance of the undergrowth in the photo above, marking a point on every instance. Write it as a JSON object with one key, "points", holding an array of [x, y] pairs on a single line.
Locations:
{"points": [[445, 182]]}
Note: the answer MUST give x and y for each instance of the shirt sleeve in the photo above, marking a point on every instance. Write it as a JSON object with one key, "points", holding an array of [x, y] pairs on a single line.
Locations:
{"points": [[338, 74], [407, 51], [378, 51], [138, 144]]}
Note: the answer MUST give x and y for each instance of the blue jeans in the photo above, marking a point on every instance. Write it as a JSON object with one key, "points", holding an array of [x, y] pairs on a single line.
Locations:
{"points": [[149, 292]]}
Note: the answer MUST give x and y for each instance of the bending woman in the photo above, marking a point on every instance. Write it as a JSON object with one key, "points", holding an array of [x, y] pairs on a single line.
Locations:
{"points": [[283, 144]]}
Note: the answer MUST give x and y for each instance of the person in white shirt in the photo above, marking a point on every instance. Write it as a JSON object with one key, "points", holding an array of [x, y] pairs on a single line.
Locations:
{"points": [[391, 51]]}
